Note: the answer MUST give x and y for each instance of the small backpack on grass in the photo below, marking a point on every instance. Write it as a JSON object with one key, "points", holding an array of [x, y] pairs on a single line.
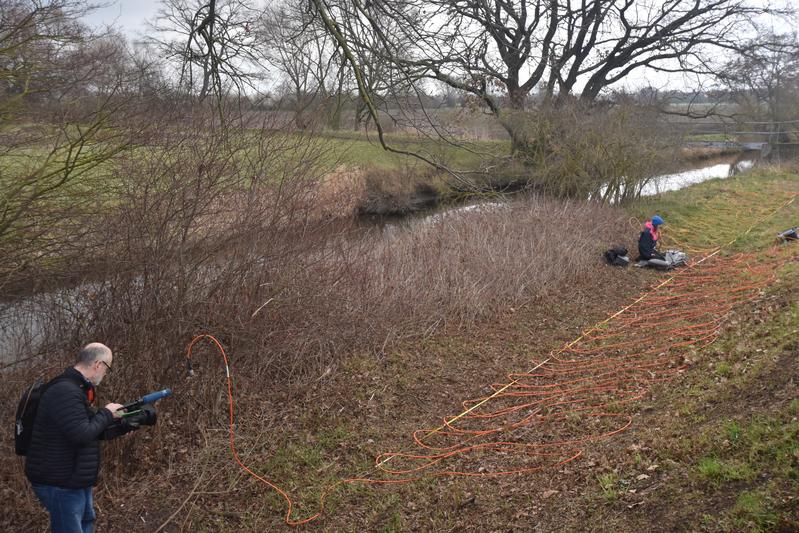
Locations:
{"points": [[26, 415]]}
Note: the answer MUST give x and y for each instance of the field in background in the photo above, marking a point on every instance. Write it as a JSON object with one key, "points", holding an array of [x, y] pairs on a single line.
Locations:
{"points": [[360, 149]]}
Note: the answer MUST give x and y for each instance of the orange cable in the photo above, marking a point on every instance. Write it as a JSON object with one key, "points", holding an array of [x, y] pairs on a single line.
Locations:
{"points": [[606, 375]]}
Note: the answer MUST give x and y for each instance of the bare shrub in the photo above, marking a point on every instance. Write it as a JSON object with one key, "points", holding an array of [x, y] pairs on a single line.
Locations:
{"points": [[363, 292], [218, 229], [461, 265], [397, 191], [339, 193], [184, 236], [577, 150]]}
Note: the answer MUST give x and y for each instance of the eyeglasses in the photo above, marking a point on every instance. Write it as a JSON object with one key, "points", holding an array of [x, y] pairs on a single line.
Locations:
{"points": [[106, 365]]}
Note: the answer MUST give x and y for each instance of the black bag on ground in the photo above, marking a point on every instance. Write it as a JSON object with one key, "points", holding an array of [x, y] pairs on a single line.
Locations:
{"points": [[26, 415], [617, 256]]}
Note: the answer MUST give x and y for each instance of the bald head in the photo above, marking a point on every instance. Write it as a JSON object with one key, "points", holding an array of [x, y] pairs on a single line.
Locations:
{"points": [[94, 361], [93, 352]]}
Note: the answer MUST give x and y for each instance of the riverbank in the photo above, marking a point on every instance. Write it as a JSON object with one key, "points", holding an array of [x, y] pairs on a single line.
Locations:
{"points": [[713, 449], [386, 196], [308, 434]]}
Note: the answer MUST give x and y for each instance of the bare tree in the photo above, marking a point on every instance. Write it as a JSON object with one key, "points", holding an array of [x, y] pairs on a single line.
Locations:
{"points": [[35, 38], [450, 96], [502, 51], [313, 75], [300, 54], [763, 80], [214, 46], [63, 118]]}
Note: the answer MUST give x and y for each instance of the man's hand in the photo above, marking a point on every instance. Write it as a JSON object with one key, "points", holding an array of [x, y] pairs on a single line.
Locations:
{"points": [[114, 408]]}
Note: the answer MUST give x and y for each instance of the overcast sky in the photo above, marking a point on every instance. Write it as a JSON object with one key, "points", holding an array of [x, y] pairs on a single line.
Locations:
{"points": [[127, 16]]}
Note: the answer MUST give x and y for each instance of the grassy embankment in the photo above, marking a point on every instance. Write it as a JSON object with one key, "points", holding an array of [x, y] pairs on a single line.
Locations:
{"points": [[719, 447], [716, 449], [726, 438]]}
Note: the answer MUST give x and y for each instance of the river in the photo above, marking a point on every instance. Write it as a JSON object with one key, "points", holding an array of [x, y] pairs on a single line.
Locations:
{"points": [[24, 331]]}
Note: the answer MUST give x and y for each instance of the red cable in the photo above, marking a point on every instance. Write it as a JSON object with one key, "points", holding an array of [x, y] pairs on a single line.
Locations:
{"points": [[582, 382]]}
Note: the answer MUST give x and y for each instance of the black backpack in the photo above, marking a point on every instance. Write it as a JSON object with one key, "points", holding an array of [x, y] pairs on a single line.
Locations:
{"points": [[617, 256], [26, 415]]}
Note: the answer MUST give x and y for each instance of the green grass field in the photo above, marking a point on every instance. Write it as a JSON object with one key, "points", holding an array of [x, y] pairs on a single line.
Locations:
{"points": [[358, 149], [746, 211]]}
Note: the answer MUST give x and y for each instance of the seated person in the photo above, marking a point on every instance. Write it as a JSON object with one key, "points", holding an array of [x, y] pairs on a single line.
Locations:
{"points": [[648, 241]]}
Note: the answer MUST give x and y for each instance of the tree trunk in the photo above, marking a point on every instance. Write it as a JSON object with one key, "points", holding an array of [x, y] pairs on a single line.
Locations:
{"points": [[514, 121]]}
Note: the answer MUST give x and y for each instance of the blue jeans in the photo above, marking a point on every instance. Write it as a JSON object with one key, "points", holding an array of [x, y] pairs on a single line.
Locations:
{"points": [[71, 510]]}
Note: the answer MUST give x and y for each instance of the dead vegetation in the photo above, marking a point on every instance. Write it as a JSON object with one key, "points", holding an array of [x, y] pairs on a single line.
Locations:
{"points": [[209, 230], [224, 230]]}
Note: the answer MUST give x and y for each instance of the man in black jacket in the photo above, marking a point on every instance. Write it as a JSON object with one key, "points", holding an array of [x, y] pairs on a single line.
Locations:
{"points": [[64, 455]]}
